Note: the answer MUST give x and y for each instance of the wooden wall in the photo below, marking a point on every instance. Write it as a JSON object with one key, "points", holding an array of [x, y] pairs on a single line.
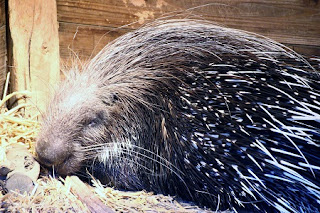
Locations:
{"points": [[83, 24], [3, 46]]}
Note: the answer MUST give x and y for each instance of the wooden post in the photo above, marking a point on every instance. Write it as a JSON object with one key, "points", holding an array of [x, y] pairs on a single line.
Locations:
{"points": [[35, 49]]}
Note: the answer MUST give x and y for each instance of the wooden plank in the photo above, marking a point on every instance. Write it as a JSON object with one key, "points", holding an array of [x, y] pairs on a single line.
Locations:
{"points": [[35, 48], [83, 41], [2, 13], [288, 21], [307, 51], [3, 57], [3, 47]]}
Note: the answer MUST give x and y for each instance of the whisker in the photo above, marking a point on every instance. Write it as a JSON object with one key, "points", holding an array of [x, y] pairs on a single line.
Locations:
{"points": [[162, 159]]}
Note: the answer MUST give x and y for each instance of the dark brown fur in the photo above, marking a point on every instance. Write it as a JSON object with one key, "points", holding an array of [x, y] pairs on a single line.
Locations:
{"points": [[192, 109]]}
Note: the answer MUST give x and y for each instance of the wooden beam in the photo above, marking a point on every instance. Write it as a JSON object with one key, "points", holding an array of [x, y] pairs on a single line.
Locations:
{"points": [[35, 48]]}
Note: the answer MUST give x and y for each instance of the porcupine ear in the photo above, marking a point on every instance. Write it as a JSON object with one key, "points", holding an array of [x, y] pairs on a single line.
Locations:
{"points": [[112, 99]]}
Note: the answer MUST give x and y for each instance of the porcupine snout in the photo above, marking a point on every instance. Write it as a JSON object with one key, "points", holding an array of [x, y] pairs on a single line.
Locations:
{"points": [[51, 153], [58, 154]]}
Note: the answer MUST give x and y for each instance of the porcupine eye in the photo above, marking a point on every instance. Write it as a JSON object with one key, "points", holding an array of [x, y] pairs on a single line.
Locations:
{"points": [[94, 121]]}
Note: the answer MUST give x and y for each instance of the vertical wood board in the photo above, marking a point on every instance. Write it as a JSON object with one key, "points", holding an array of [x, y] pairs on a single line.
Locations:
{"points": [[3, 47], [35, 48]]}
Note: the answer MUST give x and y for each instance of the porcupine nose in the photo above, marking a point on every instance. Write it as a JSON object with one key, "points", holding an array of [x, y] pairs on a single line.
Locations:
{"points": [[51, 153]]}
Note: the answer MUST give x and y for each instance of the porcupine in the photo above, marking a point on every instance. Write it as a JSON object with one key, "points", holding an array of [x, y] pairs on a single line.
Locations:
{"points": [[221, 117]]}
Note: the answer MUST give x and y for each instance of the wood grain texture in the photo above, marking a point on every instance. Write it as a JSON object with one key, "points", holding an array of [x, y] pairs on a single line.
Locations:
{"points": [[83, 41], [35, 48], [3, 47], [294, 22], [83, 192], [2, 13]]}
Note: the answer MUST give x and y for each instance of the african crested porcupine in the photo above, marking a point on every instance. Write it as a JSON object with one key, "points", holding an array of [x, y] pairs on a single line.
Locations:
{"points": [[221, 117]]}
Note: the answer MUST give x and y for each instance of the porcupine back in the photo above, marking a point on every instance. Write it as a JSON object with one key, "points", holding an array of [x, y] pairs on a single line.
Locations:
{"points": [[236, 115]]}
